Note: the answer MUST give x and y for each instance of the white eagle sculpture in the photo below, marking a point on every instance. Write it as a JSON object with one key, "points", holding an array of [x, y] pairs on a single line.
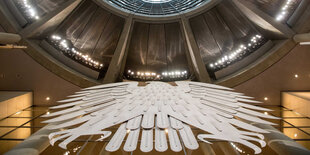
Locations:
{"points": [[161, 108]]}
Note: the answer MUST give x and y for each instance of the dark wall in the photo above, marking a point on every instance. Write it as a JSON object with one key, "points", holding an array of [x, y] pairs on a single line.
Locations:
{"points": [[93, 31], [220, 31], [156, 48]]}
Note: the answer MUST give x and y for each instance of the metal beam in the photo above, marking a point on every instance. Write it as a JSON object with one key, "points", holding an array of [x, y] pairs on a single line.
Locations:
{"points": [[115, 66], [194, 53], [263, 20], [50, 21]]}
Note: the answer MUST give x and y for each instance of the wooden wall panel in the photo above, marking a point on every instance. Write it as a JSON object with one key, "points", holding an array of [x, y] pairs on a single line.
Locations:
{"points": [[157, 48], [176, 56], [93, 31], [137, 53], [238, 24], [74, 25], [220, 31], [209, 49], [109, 37], [156, 54]]}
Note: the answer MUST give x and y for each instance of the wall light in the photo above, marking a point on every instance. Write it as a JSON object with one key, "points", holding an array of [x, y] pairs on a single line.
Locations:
{"points": [[283, 13], [47, 98], [166, 130], [266, 98], [296, 75], [305, 43], [66, 47], [243, 50]]}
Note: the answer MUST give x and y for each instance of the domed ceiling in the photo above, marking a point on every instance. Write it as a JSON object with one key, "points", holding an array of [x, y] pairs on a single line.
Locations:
{"points": [[156, 7], [88, 36]]}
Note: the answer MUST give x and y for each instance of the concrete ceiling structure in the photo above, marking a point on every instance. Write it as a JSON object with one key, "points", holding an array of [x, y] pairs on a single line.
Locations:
{"points": [[90, 42], [249, 45]]}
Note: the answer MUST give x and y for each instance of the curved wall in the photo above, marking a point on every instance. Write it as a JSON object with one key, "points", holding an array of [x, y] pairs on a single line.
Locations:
{"points": [[18, 71], [156, 48], [281, 77]]}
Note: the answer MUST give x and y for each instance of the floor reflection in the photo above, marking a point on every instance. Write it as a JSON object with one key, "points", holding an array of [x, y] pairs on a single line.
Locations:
{"points": [[21, 125]]}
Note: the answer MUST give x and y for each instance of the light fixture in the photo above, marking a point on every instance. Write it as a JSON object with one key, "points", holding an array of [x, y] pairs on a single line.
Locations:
{"points": [[266, 98], [266, 113], [154, 76], [295, 135], [166, 130], [47, 98], [304, 43], [237, 148], [296, 75], [283, 13], [64, 46], [255, 42], [30, 10]]}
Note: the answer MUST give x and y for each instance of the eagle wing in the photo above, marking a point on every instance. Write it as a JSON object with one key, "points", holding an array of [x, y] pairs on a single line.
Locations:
{"points": [[161, 108]]}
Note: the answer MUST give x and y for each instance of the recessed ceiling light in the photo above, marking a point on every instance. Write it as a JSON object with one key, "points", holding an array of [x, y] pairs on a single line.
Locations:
{"points": [[166, 130]]}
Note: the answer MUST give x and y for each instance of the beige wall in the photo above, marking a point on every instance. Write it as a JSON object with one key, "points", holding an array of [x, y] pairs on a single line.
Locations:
{"points": [[280, 77], [18, 71], [16, 101], [297, 102]]}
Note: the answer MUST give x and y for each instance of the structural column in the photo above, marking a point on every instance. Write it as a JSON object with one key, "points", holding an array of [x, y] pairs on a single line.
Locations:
{"points": [[194, 53], [51, 20], [115, 66], [263, 20]]}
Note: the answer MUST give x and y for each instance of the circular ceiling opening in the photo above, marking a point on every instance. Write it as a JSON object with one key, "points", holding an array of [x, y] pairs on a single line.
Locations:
{"points": [[156, 7], [156, 1]]}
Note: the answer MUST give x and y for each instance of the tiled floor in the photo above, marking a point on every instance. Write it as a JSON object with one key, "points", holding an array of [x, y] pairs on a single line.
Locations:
{"points": [[21, 125]]}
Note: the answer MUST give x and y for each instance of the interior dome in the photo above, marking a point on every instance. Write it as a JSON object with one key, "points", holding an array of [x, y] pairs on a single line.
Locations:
{"points": [[156, 7], [156, 1]]}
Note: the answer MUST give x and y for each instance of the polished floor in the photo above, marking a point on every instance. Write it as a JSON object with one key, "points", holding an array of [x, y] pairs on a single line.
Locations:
{"points": [[17, 127]]}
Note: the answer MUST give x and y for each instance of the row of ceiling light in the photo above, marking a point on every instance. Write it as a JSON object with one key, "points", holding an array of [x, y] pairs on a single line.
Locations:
{"points": [[31, 11], [284, 10], [64, 46], [155, 76], [241, 51]]}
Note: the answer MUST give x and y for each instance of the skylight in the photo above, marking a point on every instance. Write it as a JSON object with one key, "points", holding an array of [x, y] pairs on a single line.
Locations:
{"points": [[156, 1], [156, 7]]}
